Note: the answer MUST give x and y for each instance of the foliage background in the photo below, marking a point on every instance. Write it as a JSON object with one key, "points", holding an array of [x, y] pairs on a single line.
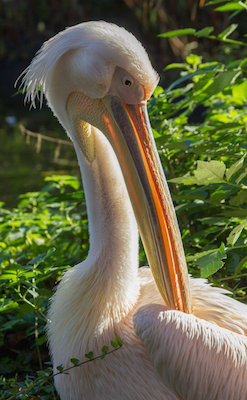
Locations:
{"points": [[198, 115]]}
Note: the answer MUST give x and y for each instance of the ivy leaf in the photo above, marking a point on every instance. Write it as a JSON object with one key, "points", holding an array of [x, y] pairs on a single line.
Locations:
{"points": [[211, 263], [236, 232]]}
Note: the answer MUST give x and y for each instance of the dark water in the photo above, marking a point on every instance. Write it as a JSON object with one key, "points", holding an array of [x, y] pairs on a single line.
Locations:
{"points": [[22, 168]]}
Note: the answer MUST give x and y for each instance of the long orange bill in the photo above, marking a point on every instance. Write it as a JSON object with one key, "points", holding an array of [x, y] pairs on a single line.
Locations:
{"points": [[128, 130]]}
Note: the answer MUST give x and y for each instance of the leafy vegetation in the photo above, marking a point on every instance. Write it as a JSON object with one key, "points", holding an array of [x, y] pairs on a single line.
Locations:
{"points": [[200, 126], [47, 229], [199, 123]]}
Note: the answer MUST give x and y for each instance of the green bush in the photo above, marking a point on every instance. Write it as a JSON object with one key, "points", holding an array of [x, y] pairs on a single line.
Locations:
{"points": [[200, 127], [47, 230]]}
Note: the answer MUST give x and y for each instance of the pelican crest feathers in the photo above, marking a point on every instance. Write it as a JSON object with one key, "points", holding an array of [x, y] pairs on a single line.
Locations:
{"points": [[97, 40]]}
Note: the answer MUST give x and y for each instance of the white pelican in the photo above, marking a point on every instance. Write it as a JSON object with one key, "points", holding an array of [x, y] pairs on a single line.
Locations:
{"points": [[97, 79]]}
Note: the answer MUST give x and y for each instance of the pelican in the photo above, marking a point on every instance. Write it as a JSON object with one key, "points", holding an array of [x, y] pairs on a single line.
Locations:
{"points": [[182, 338]]}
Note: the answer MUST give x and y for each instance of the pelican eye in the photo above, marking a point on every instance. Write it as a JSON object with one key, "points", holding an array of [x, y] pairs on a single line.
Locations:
{"points": [[127, 82]]}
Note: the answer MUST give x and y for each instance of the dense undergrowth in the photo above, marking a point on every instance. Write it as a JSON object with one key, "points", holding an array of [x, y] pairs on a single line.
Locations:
{"points": [[199, 124]]}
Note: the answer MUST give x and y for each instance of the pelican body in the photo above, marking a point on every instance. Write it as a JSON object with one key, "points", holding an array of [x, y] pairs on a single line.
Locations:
{"points": [[182, 339]]}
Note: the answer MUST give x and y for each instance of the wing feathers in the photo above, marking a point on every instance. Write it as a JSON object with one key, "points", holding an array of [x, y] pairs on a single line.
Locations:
{"points": [[198, 359]]}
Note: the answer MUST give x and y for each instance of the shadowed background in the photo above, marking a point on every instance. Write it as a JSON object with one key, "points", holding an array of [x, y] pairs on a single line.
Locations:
{"points": [[25, 25]]}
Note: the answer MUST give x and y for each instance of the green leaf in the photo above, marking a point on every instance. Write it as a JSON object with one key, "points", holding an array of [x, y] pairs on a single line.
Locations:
{"points": [[10, 275], [178, 32], [218, 221], [104, 349], [242, 176], [8, 306], [176, 145], [187, 77], [223, 35], [217, 197], [236, 232], [211, 263], [42, 339], [103, 356], [207, 172], [239, 199], [43, 374], [240, 265], [119, 341], [243, 62], [177, 65], [193, 59], [33, 293], [158, 90], [230, 7], [235, 167], [240, 91], [74, 361], [114, 344], [222, 81], [156, 134], [205, 32], [13, 236], [196, 256], [60, 368], [215, 2], [237, 213], [41, 257], [210, 171], [203, 82], [9, 325], [89, 355]]}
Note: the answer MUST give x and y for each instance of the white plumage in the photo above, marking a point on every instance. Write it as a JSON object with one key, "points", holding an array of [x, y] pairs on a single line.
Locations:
{"points": [[166, 354]]}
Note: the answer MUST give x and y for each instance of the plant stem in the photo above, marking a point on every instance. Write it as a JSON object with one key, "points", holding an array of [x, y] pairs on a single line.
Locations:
{"points": [[36, 338], [232, 277], [84, 362]]}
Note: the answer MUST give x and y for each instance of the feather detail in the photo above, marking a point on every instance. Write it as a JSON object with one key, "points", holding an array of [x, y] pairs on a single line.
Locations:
{"points": [[200, 360], [97, 40]]}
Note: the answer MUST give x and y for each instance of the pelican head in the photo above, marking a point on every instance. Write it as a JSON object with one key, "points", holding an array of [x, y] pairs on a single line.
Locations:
{"points": [[97, 74]]}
